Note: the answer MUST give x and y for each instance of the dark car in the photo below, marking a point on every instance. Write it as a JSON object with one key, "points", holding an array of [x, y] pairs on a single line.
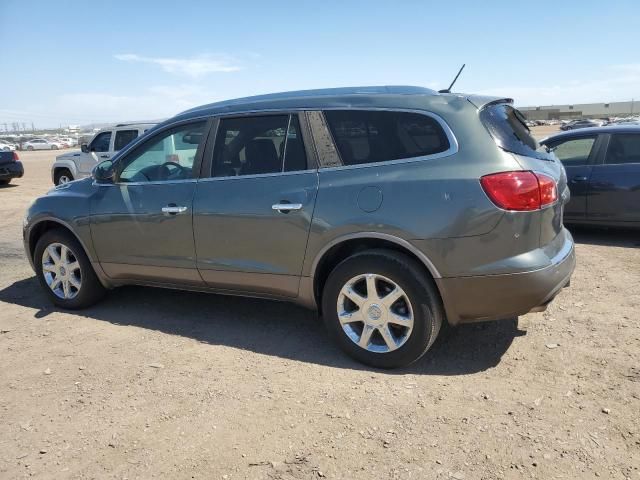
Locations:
{"points": [[585, 123], [10, 167], [603, 170], [390, 209]]}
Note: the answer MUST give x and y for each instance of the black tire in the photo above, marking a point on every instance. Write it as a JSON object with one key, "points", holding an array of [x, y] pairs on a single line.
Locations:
{"points": [[5, 182], [30, 148], [91, 290], [54, 147], [61, 173], [428, 311]]}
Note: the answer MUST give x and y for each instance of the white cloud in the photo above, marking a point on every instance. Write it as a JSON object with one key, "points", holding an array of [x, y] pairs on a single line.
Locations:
{"points": [[613, 83], [192, 67]]}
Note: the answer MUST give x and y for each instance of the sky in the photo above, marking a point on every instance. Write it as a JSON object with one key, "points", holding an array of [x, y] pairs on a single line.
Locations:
{"points": [[81, 62]]}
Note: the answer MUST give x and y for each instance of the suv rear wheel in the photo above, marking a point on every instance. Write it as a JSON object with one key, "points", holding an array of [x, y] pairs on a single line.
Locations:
{"points": [[62, 175], [381, 308], [65, 272]]}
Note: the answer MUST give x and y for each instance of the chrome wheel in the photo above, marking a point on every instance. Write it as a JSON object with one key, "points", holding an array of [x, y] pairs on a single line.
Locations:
{"points": [[61, 271], [63, 179], [375, 313]]}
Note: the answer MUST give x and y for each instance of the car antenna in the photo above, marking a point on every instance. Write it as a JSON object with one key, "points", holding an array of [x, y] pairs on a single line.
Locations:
{"points": [[448, 90]]}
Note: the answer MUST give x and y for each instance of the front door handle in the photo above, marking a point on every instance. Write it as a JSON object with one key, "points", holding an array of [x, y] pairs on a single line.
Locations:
{"points": [[579, 178], [104, 156], [286, 207], [173, 209]]}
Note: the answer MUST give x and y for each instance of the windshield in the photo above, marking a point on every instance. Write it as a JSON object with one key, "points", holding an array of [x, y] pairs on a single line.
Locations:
{"points": [[508, 128]]}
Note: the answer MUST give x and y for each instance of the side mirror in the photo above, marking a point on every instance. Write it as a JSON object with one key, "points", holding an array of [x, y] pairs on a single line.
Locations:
{"points": [[104, 172], [84, 147]]}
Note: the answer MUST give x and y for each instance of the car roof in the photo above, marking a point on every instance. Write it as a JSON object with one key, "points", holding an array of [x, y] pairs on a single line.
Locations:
{"points": [[583, 132], [343, 97]]}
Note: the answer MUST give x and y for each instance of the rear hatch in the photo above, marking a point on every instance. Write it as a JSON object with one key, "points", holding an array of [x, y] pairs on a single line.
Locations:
{"points": [[507, 127]]}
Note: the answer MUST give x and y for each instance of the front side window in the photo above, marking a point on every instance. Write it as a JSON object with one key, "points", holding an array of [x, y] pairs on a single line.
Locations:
{"points": [[576, 152], [623, 148], [258, 145], [101, 142], [123, 138], [377, 136], [168, 156]]}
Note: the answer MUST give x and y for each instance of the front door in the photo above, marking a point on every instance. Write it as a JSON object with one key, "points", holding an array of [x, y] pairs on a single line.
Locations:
{"points": [[99, 151], [252, 216], [577, 155], [614, 188], [141, 225]]}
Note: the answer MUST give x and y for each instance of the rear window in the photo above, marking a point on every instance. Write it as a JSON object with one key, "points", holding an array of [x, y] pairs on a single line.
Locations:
{"points": [[507, 127], [377, 136]]}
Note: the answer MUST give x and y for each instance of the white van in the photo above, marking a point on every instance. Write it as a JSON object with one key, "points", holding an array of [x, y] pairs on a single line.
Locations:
{"points": [[104, 144]]}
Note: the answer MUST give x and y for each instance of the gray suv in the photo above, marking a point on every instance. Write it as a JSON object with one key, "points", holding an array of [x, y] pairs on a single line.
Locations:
{"points": [[391, 210]]}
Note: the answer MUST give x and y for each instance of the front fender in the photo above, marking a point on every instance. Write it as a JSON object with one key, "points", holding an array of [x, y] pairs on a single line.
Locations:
{"points": [[64, 163]]}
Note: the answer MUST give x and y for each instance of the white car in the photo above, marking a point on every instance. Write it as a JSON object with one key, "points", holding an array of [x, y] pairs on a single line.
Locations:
{"points": [[104, 144], [41, 144], [68, 141], [7, 147]]}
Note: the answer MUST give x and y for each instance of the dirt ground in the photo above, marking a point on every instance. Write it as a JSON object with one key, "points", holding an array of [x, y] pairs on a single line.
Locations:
{"points": [[164, 384]]}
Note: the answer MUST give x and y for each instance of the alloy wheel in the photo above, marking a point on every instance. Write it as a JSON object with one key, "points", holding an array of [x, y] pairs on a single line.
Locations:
{"points": [[61, 271], [375, 313]]}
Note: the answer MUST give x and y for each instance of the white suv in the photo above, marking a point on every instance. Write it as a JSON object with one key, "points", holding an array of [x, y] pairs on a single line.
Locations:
{"points": [[104, 144]]}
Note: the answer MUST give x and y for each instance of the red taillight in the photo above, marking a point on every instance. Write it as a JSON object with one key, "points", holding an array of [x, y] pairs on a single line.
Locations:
{"points": [[521, 191], [15, 157]]}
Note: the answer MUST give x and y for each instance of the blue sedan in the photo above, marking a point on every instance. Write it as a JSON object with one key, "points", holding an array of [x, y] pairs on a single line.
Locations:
{"points": [[603, 172]]}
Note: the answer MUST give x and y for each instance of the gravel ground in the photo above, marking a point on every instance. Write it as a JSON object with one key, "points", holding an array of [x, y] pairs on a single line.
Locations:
{"points": [[164, 384]]}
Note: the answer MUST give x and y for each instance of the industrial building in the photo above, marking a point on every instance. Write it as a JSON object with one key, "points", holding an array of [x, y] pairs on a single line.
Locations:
{"points": [[581, 110]]}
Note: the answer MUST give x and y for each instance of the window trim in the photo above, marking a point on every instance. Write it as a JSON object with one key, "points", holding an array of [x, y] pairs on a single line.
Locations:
{"points": [[206, 173], [453, 141], [135, 145]]}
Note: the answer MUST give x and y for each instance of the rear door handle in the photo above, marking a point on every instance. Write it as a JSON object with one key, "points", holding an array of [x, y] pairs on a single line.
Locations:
{"points": [[579, 178], [172, 209], [285, 207]]}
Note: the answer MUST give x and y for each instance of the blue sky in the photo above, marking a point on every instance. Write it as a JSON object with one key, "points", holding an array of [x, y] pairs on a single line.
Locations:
{"points": [[87, 61]]}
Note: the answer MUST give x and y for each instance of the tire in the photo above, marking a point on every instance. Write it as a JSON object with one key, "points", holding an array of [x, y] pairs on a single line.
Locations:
{"points": [[6, 149], [54, 147], [90, 289], [419, 306], [30, 148], [5, 182], [60, 175]]}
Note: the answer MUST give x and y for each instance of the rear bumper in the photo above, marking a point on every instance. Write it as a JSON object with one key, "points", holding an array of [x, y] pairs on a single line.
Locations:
{"points": [[11, 170], [494, 297]]}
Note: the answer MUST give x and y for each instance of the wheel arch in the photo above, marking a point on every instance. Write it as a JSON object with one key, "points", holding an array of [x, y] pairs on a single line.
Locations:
{"points": [[44, 225], [66, 165], [342, 247]]}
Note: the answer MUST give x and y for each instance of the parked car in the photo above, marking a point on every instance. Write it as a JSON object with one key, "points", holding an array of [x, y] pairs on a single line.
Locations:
{"points": [[10, 167], [41, 144], [104, 144], [7, 147], [69, 142], [584, 123], [389, 209], [603, 168]]}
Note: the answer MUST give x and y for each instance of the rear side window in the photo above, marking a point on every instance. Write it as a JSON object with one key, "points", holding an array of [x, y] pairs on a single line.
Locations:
{"points": [[507, 127], [258, 145], [576, 152], [623, 148], [377, 136], [123, 137]]}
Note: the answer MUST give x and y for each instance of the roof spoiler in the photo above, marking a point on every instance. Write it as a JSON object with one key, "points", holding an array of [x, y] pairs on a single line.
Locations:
{"points": [[480, 101]]}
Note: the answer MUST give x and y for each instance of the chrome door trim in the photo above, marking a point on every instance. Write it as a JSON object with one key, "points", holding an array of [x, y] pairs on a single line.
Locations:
{"points": [[285, 207]]}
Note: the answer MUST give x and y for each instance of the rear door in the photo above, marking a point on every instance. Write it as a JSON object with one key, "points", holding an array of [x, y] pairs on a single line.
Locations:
{"points": [[614, 188], [253, 214], [578, 155]]}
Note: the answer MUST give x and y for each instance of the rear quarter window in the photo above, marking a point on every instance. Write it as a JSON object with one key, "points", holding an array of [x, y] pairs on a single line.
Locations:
{"points": [[507, 127], [376, 136]]}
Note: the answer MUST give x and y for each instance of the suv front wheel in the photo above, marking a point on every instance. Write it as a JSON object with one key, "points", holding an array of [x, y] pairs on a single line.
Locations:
{"points": [[381, 308], [65, 272], [62, 176]]}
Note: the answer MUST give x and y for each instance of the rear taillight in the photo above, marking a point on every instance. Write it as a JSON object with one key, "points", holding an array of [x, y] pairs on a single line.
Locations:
{"points": [[520, 191], [15, 157]]}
